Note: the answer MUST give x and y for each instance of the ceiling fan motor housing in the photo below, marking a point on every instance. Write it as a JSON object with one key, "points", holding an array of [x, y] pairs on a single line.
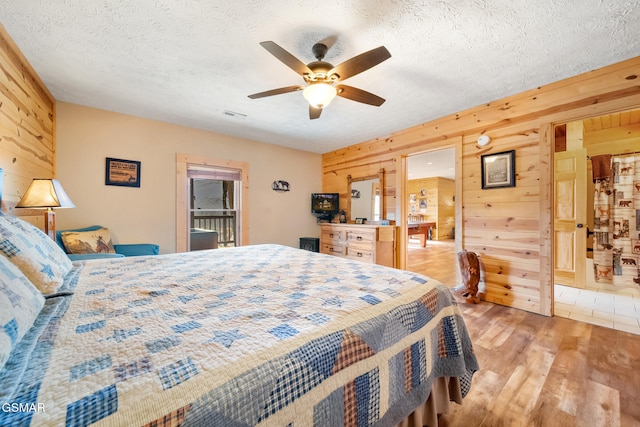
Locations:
{"points": [[320, 72]]}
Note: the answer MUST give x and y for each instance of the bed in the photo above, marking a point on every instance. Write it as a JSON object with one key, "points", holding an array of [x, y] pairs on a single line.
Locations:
{"points": [[263, 335]]}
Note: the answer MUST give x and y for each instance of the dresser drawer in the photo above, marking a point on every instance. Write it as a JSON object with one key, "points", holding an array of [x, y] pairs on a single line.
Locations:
{"points": [[335, 237], [333, 249], [364, 237], [360, 254]]}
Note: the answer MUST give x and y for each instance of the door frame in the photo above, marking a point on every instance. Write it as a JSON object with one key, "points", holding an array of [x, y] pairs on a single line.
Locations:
{"points": [[547, 150]]}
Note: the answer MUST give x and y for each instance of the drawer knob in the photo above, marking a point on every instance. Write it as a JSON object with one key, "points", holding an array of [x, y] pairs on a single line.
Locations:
{"points": [[331, 235], [359, 254], [359, 238]]}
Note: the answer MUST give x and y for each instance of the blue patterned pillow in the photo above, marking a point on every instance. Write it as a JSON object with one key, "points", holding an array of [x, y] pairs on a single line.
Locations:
{"points": [[20, 304], [41, 260]]}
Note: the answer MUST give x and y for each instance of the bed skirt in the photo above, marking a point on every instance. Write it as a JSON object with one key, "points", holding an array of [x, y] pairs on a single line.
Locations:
{"points": [[443, 391]]}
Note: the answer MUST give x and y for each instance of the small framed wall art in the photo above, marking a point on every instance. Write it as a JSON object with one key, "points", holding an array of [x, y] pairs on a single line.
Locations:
{"points": [[125, 173], [498, 170]]}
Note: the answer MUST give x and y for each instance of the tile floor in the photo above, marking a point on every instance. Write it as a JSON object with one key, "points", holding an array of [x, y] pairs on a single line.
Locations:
{"points": [[600, 306]]}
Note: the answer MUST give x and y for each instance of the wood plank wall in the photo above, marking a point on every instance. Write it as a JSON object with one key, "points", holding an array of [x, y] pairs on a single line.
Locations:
{"points": [[446, 209], [27, 125], [439, 193], [509, 228]]}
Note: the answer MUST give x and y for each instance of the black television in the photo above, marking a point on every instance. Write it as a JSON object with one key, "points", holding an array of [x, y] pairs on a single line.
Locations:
{"points": [[325, 205]]}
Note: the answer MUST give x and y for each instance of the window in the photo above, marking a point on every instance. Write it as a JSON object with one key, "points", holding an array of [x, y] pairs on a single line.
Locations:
{"points": [[214, 206], [211, 195]]}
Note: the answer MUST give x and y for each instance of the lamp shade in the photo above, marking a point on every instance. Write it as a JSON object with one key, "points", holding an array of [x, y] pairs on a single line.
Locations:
{"points": [[319, 95], [45, 193]]}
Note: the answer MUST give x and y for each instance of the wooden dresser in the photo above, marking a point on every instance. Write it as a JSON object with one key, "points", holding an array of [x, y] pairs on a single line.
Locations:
{"points": [[368, 243]]}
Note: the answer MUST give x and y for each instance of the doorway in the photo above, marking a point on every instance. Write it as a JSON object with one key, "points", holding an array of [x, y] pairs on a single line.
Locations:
{"points": [[581, 296], [430, 204]]}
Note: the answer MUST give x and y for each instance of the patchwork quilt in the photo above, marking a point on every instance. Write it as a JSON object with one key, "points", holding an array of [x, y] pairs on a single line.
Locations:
{"points": [[262, 335]]}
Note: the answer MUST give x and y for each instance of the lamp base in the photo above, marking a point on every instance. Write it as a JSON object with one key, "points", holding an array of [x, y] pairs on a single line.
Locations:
{"points": [[50, 223]]}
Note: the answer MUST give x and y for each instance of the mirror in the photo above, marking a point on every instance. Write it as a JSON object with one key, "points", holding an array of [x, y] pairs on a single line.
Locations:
{"points": [[365, 197]]}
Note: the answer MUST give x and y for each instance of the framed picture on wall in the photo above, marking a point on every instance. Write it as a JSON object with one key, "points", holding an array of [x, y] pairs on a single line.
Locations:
{"points": [[125, 173], [498, 170]]}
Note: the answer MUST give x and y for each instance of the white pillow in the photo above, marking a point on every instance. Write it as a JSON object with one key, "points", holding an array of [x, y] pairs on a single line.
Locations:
{"points": [[40, 258], [20, 303]]}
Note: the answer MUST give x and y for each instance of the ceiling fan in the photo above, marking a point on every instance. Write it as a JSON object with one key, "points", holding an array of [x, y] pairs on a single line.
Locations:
{"points": [[321, 78]]}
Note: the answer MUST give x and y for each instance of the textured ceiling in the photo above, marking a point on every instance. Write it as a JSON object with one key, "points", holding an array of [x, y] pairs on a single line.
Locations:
{"points": [[189, 61]]}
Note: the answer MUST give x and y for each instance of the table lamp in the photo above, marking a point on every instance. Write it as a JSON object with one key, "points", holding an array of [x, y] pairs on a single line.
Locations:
{"points": [[46, 194]]}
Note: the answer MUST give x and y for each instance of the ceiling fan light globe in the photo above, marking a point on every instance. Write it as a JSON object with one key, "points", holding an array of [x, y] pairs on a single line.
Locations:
{"points": [[319, 95]]}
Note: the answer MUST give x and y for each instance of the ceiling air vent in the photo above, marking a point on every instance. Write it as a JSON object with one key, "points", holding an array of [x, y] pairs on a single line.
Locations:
{"points": [[234, 114]]}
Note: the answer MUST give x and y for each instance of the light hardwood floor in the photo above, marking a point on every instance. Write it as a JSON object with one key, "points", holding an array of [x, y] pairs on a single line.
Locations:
{"points": [[437, 260], [537, 370], [548, 371]]}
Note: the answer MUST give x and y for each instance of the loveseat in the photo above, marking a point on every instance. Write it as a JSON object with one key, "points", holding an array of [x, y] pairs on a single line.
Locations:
{"points": [[121, 250]]}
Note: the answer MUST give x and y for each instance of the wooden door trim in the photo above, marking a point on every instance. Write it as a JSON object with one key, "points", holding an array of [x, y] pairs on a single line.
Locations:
{"points": [[401, 208], [546, 258]]}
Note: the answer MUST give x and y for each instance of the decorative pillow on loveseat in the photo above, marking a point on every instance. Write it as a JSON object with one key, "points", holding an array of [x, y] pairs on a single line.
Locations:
{"points": [[20, 303], [88, 242], [39, 258]]}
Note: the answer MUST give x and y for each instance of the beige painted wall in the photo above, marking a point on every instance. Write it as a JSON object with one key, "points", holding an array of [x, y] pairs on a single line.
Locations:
{"points": [[86, 136]]}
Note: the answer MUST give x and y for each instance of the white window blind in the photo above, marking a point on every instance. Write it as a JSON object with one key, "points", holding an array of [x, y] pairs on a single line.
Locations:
{"points": [[213, 172]]}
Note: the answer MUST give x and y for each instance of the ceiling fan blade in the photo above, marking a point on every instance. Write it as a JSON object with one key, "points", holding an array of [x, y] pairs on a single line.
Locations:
{"points": [[314, 113], [276, 91], [287, 59], [359, 95], [360, 63]]}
